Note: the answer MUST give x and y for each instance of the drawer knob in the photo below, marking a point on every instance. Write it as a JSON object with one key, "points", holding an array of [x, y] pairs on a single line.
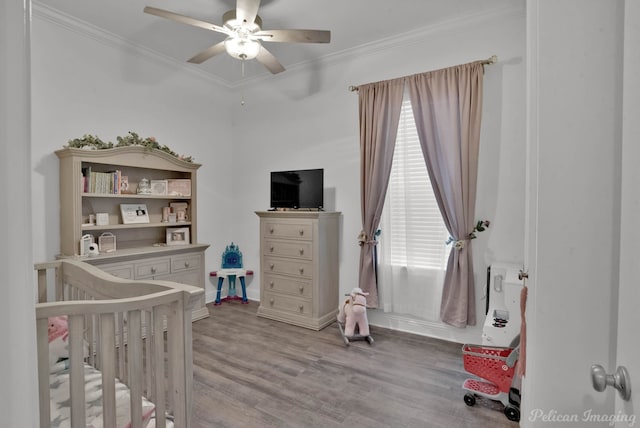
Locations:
{"points": [[271, 249], [271, 302], [271, 266], [301, 289], [186, 264], [301, 271], [301, 251], [270, 284], [301, 308], [301, 232], [271, 230], [153, 270]]}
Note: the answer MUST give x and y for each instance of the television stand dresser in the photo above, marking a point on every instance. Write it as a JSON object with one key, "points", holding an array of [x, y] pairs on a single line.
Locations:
{"points": [[299, 267]]}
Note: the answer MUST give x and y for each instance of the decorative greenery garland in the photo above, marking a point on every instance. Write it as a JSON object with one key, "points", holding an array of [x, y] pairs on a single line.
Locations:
{"points": [[480, 226], [93, 142]]}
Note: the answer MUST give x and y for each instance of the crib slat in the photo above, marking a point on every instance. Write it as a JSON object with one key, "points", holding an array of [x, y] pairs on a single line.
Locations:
{"points": [[177, 364], [134, 348], [59, 287], [171, 344], [76, 371], [121, 360], [98, 341], [42, 285], [43, 371], [107, 348], [158, 367], [91, 339], [148, 332]]}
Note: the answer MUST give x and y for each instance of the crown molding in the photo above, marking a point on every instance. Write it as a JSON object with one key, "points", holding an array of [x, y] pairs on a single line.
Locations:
{"points": [[85, 29], [399, 41]]}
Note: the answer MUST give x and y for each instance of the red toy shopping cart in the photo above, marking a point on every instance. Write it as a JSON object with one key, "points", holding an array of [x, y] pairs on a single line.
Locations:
{"points": [[495, 366]]}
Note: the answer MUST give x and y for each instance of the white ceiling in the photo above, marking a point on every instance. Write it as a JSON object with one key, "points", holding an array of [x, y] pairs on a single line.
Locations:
{"points": [[353, 24]]}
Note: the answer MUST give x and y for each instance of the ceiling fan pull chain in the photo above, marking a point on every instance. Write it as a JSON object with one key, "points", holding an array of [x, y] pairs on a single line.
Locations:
{"points": [[242, 89]]}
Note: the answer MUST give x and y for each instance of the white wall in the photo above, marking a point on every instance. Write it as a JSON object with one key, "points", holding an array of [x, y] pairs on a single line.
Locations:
{"points": [[310, 120]]}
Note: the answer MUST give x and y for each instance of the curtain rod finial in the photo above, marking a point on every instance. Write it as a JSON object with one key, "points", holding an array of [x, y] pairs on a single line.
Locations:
{"points": [[493, 59], [353, 88]]}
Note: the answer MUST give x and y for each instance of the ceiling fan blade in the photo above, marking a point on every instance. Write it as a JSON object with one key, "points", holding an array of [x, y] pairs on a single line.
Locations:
{"points": [[185, 19], [246, 10], [294, 36], [208, 53], [267, 59]]}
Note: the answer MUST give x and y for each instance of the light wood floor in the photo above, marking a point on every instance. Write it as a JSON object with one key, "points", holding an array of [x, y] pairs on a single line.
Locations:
{"points": [[255, 372]]}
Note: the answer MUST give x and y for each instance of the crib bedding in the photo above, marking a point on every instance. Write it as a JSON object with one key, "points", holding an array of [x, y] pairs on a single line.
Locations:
{"points": [[60, 401]]}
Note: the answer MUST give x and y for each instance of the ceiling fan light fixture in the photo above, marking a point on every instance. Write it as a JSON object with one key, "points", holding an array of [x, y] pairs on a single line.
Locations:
{"points": [[243, 28], [242, 48]]}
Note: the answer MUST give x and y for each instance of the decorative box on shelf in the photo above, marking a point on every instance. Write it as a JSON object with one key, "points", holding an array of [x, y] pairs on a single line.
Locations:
{"points": [[107, 242], [179, 187]]}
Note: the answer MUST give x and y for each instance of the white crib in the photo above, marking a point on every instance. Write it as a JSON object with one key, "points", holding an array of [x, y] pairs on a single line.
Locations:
{"points": [[129, 349]]}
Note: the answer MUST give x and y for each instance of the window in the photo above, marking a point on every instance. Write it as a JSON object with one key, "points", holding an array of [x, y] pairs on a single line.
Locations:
{"points": [[414, 232], [412, 249]]}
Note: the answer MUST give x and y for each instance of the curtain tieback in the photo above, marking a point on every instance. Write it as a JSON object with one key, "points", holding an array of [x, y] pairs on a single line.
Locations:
{"points": [[364, 239], [458, 244]]}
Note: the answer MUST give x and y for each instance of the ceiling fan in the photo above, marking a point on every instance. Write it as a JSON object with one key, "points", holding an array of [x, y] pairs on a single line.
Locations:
{"points": [[243, 28]]}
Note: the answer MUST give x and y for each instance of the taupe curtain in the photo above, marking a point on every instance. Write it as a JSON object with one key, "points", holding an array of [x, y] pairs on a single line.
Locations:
{"points": [[379, 106], [447, 106]]}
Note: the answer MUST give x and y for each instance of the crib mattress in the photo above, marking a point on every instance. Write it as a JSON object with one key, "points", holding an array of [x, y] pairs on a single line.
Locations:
{"points": [[60, 401]]}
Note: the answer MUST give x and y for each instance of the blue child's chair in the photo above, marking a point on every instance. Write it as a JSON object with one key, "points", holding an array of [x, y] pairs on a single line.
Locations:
{"points": [[231, 268]]}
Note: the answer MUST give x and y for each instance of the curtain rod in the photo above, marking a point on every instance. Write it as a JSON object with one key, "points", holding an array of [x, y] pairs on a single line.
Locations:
{"points": [[491, 60]]}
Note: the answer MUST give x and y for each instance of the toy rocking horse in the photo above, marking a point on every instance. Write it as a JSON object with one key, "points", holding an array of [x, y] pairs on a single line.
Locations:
{"points": [[353, 314]]}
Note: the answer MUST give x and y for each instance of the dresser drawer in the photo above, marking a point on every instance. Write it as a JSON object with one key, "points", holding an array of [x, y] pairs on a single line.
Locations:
{"points": [[121, 270], [187, 262], [301, 249], [152, 268], [288, 304], [299, 230], [285, 285], [300, 269]]}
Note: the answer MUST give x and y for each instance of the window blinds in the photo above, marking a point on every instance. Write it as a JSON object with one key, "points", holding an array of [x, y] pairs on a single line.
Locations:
{"points": [[413, 232]]}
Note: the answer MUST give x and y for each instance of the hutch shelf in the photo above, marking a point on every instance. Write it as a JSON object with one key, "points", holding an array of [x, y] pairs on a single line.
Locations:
{"points": [[141, 248]]}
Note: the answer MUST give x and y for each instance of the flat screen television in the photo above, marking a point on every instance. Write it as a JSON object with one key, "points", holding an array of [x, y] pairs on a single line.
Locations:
{"points": [[298, 189]]}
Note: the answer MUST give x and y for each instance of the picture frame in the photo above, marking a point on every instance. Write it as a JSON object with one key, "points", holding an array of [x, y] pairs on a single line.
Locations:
{"points": [[134, 213], [179, 187], [159, 187], [102, 219], [107, 242], [124, 185], [178, 236]]}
